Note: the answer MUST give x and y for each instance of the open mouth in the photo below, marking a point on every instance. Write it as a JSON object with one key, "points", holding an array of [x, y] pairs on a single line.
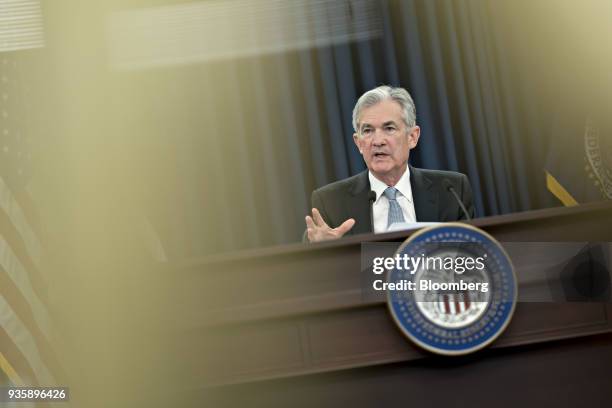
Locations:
{"points": [[380, 155]]}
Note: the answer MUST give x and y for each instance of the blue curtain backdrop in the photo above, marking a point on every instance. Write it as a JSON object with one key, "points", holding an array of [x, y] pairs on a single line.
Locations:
{"points": [[278, 125]]}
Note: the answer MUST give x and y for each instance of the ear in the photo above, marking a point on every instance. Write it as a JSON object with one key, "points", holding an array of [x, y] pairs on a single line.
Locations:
{"points": [[357, 141], [413, 137]]}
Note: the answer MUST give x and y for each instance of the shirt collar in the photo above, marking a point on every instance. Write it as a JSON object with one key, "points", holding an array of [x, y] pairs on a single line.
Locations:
{"points": [[403, 185]]}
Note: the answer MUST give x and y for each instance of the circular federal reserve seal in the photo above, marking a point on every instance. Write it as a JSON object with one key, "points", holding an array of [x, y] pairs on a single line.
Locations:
{"points": [[460, 289]]}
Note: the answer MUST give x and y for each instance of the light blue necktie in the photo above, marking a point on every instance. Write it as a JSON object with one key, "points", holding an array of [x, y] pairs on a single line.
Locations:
{"points": [[395, 211]]}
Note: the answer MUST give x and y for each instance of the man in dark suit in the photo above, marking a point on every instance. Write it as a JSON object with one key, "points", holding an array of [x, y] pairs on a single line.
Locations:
{"points": [[384, 120]]}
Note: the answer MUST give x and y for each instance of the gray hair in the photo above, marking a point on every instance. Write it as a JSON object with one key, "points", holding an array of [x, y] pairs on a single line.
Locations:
{"points": [[377, 95]]}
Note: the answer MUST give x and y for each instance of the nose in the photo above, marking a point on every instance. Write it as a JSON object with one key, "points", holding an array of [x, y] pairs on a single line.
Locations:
{"points": [[379, 138]]}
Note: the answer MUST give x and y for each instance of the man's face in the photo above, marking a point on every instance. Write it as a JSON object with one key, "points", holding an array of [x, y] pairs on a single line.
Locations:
{"points": [[384, 140]]}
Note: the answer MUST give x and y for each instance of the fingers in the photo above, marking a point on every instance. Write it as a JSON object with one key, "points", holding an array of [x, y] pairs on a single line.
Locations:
{"points": [[310, 235], [319, 221], [310, 227], [309, 222], [345, 226], [318, 230]]}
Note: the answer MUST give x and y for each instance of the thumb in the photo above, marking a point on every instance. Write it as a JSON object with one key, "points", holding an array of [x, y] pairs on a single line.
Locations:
{"points": [[346, 226]]}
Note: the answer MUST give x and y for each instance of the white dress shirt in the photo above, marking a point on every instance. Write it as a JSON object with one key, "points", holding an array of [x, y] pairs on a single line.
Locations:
{"points": [[380, 208]]}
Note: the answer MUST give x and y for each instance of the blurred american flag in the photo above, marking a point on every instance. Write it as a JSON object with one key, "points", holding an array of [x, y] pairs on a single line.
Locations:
{"points": [[26, 333]]}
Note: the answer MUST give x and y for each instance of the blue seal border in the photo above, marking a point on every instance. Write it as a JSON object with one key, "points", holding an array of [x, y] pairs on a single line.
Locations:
{"points": [[482, 332]]}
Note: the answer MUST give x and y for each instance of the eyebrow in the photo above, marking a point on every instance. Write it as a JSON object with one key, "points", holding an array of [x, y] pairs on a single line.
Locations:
{"points": [[387, 123]]}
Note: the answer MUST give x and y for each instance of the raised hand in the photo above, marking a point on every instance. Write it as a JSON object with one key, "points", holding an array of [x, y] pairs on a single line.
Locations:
{"points": [[318, 230]]}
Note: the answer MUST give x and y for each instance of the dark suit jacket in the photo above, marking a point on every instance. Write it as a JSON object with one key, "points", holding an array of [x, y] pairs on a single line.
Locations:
{"points": [[348, 198]]}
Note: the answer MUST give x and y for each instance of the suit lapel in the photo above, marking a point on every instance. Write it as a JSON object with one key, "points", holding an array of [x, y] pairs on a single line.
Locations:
{"points": [[359, 205], [424, 195]]}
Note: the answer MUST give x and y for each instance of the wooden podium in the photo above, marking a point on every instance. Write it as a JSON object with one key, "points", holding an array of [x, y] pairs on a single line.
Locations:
{"points": [[290, 326]]}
